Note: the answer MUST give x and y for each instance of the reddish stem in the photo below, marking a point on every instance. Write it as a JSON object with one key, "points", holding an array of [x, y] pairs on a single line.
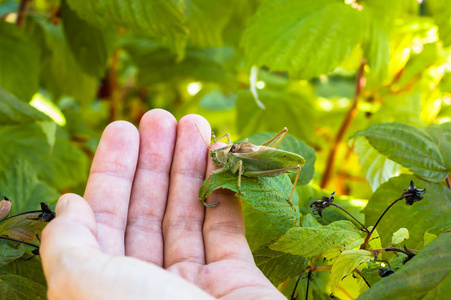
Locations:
{"points": [[350, 116], [21, 12]]}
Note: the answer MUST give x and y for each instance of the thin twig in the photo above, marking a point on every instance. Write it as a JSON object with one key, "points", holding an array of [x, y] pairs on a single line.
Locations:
{"points": [[21, 214], [19, 241], [21, 12], [363, 226], [114, 93], [350, 116], [363, 246], [361, 275]]}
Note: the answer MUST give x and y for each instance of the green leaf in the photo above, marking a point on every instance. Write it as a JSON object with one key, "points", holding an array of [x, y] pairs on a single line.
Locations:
{"points": [[378, 168], [9, 254], [14, 111], [26, 227], [400, 236], [269, 228], [19, 62], [21, 185], [375, 241], [440, 11], [60, 73], [27, 141], [309, 221], [217, 101], [266, 194], [8, 6], [377, 52], [426, 276], [14, 287], [163, 18], [433, 232], [28, 267], [433, 210], [278, 266], [294, 111], [345, 264], [159, 65], [90, 46], [326, 241], [55, 170], [441, 134], [206, 21], [298, 35], [409, 146], [402, 108], [294, 145]]}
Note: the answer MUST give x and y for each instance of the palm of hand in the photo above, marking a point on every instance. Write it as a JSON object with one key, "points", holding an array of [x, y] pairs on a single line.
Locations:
{"points": [[143, 212]]}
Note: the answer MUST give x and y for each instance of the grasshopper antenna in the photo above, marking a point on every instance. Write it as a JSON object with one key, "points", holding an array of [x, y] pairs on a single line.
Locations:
{"points": [[206, 145]]}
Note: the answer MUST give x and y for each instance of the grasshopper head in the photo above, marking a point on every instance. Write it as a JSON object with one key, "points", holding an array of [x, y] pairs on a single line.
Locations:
{"points": [[219, 156]]}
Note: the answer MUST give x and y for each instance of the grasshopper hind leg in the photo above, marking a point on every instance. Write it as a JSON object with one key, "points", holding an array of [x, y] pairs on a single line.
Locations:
{"points": [[294, 187]]}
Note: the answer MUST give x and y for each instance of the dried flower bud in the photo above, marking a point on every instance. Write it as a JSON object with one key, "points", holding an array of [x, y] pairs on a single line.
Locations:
{"points": [[319, 205], [413, 194], [5, 207]]}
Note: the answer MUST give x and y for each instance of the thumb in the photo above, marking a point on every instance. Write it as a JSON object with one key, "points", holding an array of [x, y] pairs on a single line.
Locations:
{"points": [[73, 226], [69, 241]]}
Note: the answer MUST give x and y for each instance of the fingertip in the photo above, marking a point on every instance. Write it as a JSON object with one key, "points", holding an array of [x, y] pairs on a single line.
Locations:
{"points": [[194, 120], [161, 114]]}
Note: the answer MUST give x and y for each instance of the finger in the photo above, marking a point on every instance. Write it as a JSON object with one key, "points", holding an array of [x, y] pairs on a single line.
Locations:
{"points": [[73, 230], [224, 231], [110, 181], [144, 237], [75, 268], [182, 224]]}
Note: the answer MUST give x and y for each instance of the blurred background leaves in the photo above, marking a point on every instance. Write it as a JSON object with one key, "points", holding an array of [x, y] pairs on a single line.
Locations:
{"points": [[326, 70]]}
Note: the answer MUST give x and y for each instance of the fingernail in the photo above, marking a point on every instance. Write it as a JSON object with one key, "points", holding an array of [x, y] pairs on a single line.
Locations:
{"points": [[62, 204]]}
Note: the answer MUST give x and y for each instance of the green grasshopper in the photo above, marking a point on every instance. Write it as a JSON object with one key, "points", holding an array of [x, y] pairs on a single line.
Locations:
{"points": [[251, 160]]}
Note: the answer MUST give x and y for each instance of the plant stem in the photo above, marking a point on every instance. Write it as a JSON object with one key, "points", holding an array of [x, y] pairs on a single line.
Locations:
{"points": [[21, 12], [312, 268], [382, 250], [21, 214], [361, 275], [363, 246], [308, 283], [360, 83], [338, 206], [19, 241], [114, 93]]}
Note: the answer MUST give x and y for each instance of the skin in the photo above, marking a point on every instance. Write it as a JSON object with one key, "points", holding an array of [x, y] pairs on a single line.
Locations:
{"points": [[140, 232]]}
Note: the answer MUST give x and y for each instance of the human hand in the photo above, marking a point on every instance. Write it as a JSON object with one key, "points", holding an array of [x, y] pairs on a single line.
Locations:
{"points": [[140, 231]]}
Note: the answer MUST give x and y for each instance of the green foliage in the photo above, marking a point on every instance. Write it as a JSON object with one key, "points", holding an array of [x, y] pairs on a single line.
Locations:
{"points": [[266, 194], [327, 241], [19, 65], [345, 264], [18, 287], [90, 46], [363, 135], [278, 266], [298, 35], [427, 275], [433, 210], [409, 146]]}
